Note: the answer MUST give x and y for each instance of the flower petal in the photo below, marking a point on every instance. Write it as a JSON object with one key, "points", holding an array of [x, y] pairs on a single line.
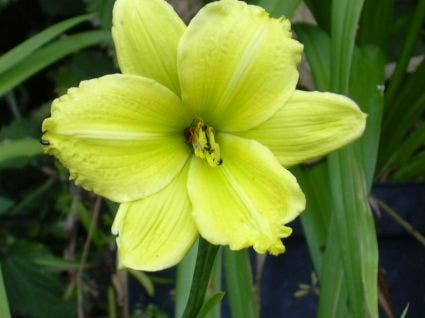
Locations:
{"points": [[120, 136], [237, 66], [156, 232], [247, 199], [309, 125], [146, 35]]}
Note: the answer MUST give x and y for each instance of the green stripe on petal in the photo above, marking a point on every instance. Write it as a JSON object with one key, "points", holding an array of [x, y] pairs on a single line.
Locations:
{"points": [[146, 34], [237, 66], [120, 136], [247, 199], [156, 232], [309, 125]]}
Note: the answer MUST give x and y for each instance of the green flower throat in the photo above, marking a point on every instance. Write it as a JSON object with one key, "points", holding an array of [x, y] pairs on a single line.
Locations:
{"points": [[201, 137]]}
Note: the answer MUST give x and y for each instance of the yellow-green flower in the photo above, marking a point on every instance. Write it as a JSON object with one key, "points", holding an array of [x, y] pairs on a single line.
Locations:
{"points": [[194, 136]]}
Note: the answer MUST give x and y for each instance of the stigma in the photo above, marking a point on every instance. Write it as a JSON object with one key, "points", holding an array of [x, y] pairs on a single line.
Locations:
{"points": [[201, 137]]}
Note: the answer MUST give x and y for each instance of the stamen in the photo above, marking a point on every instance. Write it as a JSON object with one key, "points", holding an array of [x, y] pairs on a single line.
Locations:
{"points": [[202, 138]]}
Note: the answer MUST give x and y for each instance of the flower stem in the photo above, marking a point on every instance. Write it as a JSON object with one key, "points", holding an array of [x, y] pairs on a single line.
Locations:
{"points": [[201, 275]]}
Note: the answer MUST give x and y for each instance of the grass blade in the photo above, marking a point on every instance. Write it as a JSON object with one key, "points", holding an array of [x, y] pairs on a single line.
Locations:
{"points": [[355, 232], [48, 55], [18, 149], [406, 109], [345, 17], [18, 53], [212, 306], [353, 226], [368, 94], [201, 276], [406, 52], [184, 279], [406, 150], [321, 10], [316, 218], [333, 287], [317, 48], [414, 168], [4, 305], [374, 22], [211, 303], [241, 292]]}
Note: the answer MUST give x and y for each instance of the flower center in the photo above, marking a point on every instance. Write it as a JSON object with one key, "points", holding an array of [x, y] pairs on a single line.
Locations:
{"points": [[201, 136]]}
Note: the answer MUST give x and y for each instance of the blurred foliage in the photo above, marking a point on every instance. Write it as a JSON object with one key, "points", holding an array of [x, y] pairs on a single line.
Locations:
{"points": [[49, 266]]}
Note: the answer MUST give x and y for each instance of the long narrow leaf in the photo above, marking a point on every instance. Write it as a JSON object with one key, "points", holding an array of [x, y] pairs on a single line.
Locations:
{"points": [[4, 304], [345, 17], [316, 185], [408, 47], [353, 226], [333, 287], [48, 55], [368, 93], [355, 232], [317, 48], [374, 22], [212, 306], [316, 218], [12, 150], [201, 276], [242, 300], [18, 53], [406, 150], [184, 277], [415, 168], [321, 10]]}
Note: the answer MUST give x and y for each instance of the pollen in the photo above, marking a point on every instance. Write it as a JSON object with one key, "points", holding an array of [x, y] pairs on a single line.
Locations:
{"points": [[201, 137]]}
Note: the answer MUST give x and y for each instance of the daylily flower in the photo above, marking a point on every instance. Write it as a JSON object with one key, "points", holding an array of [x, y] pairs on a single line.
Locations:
{"points": [[195, 136]]}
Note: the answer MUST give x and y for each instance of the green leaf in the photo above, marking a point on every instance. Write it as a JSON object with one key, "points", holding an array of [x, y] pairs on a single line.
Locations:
{"points": [[13, 150], [367, 91], [354, 231], [374, 22], [201, 276], [405, 151], [321, 10], [184, 278], [352, 224], [144, 280], [214, 287], [4, 304], [55, 262], [18, 53], [48, 55], [20, 129], [316, 218], [317, 48], [31, 291], [414, 168], [333, 287], [407, 107], [404, 313], [413, 33], [345, 18], [212, 302], [278, 8], [242, 296]]}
